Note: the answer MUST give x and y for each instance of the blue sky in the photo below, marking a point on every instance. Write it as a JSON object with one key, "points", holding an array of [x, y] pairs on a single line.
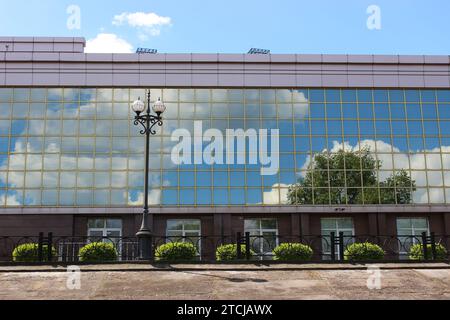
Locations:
{"points": [[233, 26]]}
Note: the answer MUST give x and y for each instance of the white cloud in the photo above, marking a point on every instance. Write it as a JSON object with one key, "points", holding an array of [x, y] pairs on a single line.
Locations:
{"points": [[141, 19], [108, 43], [148, 24]]}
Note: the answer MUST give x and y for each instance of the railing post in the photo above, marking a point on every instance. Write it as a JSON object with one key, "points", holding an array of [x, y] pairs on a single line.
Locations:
{"points": [[341, 246], [63, 251], [433, 246], [238, 245], [247, 245], [152, 253], [425, 246], [333, 248], [49, 246], [40, 243]]}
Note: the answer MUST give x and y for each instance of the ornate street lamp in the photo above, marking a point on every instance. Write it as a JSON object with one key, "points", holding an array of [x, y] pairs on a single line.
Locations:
{"points": [[148, 121]]}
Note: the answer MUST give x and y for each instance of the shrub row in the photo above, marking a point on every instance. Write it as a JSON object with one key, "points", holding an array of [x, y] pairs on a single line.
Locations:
{"points": [[416, 252], [183, 251], [365, 251], [28, 252], [92, 252]]}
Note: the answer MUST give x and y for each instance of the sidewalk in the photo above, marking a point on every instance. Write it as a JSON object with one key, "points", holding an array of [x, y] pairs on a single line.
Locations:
{"points": [[220, 267], [243, 282]]}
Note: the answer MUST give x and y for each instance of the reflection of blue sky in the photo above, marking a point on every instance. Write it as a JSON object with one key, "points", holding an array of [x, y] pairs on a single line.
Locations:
{"points": [[134, 194], [220, 196], [170, 197], [203, 196], [18, 127], [187, 196], [237, 196]]}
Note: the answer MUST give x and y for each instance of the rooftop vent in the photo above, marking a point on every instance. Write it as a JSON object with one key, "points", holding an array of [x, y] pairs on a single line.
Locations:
{"points": [[258, 51], [146, 50]]}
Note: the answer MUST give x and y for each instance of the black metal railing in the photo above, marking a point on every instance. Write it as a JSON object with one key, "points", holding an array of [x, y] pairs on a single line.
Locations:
{"points": [[326, 248]]}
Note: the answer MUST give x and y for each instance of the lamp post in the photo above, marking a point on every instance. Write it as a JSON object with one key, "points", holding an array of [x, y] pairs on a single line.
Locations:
{"points": [[148, 122]]}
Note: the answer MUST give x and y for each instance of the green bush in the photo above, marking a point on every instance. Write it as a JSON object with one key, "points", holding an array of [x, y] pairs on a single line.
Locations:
{"points": [[293, 252], [227, 252], [98, 252], [176, 251], [28, 252], [416, 252], [365, 251]]}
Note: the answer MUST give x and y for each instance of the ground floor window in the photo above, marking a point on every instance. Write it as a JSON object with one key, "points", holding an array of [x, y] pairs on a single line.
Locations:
{"points": [[184, 230], [104, 229], [98, 230], [409, 232], [263, 235], [336, 225]]}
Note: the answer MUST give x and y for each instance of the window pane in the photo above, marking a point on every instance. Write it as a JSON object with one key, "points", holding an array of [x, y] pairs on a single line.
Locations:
{"points": [[268, 223], [174, 224], [345, 224], [420, 223], [114, 223], [191, 225], [251, 224], [96, 223]]}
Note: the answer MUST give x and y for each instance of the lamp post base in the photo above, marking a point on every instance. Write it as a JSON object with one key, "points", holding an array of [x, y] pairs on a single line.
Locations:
{"points": [[145, 244]]}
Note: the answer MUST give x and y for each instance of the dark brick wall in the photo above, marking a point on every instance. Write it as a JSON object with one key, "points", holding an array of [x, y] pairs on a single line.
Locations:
{"points": [[31, 225], [215, 224]]}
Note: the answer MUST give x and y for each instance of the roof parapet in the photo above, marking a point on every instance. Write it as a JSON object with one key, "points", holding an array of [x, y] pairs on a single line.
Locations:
{"points": [[42, 44]]}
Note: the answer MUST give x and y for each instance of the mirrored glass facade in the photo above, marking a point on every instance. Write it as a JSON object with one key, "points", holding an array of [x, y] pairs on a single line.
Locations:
{"points": [[79, 147]]}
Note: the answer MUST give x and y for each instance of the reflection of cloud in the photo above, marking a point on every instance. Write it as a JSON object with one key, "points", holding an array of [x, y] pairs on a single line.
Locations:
{"points": [[30, 158], [299, 96], [276, 195], [300, 110], [69, 162], [108, 43], [300, 104], [417, 162], [29, 155], [11, 200]]}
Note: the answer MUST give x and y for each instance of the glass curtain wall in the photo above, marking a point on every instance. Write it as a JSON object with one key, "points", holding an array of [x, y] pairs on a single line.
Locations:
{"points": [[79, 147]]}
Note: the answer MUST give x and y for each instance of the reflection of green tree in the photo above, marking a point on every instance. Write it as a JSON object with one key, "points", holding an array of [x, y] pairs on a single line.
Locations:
{"points": [[349, 177]]}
